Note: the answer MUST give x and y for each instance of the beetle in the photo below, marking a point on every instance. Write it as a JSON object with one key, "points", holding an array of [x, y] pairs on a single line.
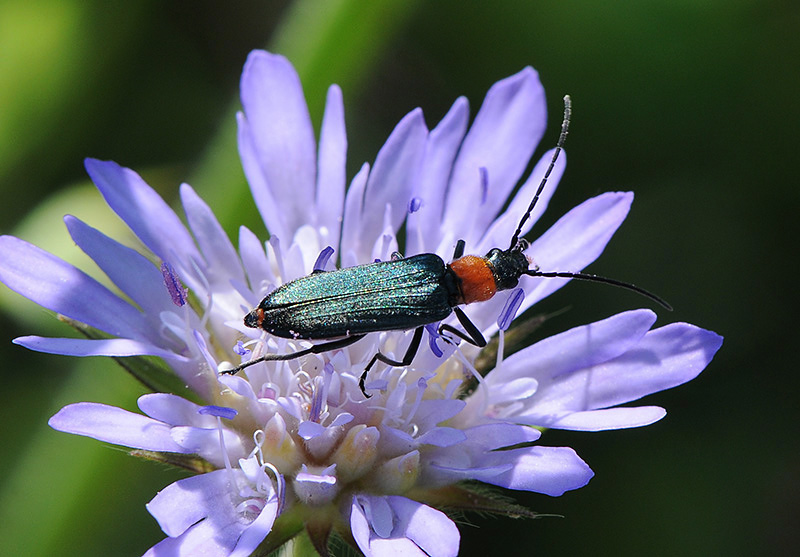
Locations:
{"points": [[344, 305]]}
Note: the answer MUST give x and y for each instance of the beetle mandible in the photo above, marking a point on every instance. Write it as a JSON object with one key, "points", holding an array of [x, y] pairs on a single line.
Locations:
{"points": [[344, 305]]}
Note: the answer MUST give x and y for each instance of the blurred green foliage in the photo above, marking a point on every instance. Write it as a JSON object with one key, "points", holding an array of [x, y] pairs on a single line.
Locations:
{"points": [[693, 105]]}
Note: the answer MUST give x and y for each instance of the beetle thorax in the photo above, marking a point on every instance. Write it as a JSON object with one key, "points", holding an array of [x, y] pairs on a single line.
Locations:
{"points": [[476, 280]]}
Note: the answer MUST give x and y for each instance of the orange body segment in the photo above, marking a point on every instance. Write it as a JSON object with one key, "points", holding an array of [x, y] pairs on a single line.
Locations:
{"points": [[476, 278]]}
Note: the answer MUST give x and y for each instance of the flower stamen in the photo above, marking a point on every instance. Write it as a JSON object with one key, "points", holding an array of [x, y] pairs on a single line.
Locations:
{"points": [[322, 259], [176, 290], [220, 412]]}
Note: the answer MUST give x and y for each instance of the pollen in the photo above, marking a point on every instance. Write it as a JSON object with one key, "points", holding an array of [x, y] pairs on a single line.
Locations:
{"points": [[477, 280]]}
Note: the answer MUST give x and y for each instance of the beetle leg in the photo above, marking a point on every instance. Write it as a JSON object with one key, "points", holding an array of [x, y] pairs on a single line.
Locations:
{"points": [[472, 334], [314, 349], [459, 251], [333, 345], [411, 351]]}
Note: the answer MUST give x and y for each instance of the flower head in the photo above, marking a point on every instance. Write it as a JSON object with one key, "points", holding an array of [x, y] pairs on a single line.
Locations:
{"points": [[294, 444]]}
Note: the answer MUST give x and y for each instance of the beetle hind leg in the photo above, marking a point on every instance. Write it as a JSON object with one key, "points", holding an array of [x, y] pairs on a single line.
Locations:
{"points": [[315, 349]]}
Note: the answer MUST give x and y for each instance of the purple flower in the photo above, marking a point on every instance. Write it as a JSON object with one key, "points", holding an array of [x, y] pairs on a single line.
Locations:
{"points": [[297, 438]]}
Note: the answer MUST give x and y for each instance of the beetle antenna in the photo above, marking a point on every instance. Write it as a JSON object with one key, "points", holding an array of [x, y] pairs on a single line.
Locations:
{"points": [[559, 146], [605, 280]]}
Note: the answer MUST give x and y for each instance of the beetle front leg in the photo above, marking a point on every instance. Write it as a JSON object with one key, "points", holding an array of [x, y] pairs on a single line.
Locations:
{"points": [[459, 250], [472, 334]]}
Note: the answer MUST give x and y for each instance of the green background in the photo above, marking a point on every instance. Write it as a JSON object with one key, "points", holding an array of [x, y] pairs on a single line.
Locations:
{"points": [[691, 104]]}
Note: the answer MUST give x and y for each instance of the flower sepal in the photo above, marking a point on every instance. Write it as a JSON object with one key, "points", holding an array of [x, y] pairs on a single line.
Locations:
{"points": [[317, 535], [474, 497], [287, 526]]}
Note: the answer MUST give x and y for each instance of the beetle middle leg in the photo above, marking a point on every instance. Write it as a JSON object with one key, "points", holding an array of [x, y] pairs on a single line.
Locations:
{"points": [[411, 351]]}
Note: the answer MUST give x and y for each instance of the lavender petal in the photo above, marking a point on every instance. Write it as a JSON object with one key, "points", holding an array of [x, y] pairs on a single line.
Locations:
{"points": [[577, 239], [662, 359], [255, 262], [332, 175], [424, 232], [147, 215], [548, 470], [409, 528], [270, 210], [493, 436], [666, 357], [132, 272], [504, 226], [282, 134], [552, 359], [256, 531], [114, 425], [114, 347], [598, 420], [393, 176], [502, 138], [60, 287], [173, 410], [431, 530], [352, 221], [219, 253]]}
